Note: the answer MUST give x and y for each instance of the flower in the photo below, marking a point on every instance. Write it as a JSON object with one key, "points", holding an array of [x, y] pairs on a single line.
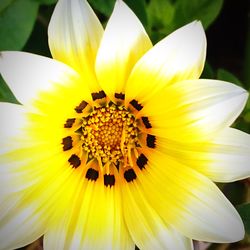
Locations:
{"points": [[118, 143]]}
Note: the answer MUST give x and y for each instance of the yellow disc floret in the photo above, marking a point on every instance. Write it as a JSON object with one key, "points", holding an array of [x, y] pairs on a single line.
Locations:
{"points": [[108, 133]]}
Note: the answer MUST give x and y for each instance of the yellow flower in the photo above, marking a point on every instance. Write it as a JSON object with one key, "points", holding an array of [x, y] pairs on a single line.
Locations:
{"points": [[118, 143]]}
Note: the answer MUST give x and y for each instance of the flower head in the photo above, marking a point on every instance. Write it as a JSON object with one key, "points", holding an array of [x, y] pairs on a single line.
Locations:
{"points": [[117, 143]]}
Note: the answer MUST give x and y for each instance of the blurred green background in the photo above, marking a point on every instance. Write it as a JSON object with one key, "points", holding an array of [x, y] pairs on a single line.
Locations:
{"points": [[24, 23]]}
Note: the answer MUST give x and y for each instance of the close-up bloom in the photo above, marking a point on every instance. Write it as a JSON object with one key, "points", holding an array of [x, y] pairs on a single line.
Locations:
{"points": [[117, 142]]}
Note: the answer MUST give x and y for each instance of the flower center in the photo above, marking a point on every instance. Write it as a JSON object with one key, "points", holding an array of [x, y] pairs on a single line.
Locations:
{"points": [[109, 133], [106, 140]]}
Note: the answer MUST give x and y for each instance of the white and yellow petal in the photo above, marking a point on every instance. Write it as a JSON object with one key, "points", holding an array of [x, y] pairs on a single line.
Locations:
{"points": [[123, 43], [74, 35], [180, 56], [26, 209], [194, 110], [28, 74], [225, 158], [189, 201], [147, 229]]}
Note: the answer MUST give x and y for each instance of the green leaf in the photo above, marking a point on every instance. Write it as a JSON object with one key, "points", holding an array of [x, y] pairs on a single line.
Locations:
{"points": [[203, 10], [244, 211], [248, 102], [235, 191], [246, 65], [160, 12], [4, 4], [208, 72], [46, 2], [247, 117], [139, 8], [104, 7], [5, 93], [160, 18], [17, 18], [225, 75]]}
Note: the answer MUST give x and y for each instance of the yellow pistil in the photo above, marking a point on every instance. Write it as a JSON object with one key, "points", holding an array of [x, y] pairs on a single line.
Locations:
{"points": [[109, 133]]}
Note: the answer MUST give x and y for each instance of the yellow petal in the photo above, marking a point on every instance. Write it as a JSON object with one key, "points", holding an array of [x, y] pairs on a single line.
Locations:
{"points": [[151, 232], [123, 43], [74, 34], [189, 201], [180, 56], [92, 220], [194, 110]]}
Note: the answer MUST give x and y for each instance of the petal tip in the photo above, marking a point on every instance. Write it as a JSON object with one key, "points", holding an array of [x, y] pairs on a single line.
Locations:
{"points": [[238, 232]]}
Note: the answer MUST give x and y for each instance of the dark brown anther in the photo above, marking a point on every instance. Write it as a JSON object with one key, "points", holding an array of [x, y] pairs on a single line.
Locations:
{"points": [[120, 96], [151, 139], [129, 175], [81, 107], [75, 161], [69, 123], [92, 174], [98, 95], [146, 122], [141, 161], [109, 180], [136, 105], [67, 143]]}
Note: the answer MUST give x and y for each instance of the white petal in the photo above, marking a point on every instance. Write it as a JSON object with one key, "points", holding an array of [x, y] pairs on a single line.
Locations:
{"points": [[27, 74], [12, 119], [146, 227], [74, 34], [194, 110], [189, 201], [229, 156], [123, 43], [180, 56], [12, 122], [22, 224]]}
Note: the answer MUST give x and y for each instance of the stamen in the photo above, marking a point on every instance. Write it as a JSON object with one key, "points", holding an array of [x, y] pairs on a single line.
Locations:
{"points": [[130, 158], [108, 134]]}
